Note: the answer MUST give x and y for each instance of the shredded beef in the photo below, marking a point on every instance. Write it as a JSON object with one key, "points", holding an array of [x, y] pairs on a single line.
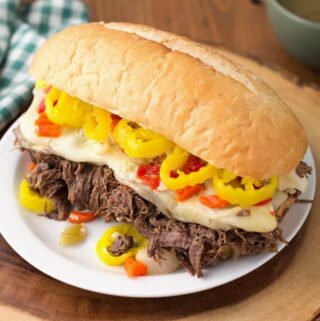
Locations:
{"points": [[284, 207], [121, 245], [242, 213], [47, 180], [90, 187], [303, 169]]}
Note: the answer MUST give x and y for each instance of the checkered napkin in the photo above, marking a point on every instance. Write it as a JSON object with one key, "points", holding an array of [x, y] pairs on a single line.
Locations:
{"points": [[23, 28]]}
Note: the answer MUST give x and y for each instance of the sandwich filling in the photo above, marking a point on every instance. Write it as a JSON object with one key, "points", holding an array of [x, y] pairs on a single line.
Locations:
{"points": [[86, 168], [93, 187]]}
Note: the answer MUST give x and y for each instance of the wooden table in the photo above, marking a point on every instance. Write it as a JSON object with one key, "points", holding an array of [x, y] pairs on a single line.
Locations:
{"points": [[239, 25], [287, 287]]}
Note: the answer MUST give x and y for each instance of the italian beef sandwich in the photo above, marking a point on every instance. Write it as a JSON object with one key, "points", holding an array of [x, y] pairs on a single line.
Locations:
{"points": [[144, 127]]}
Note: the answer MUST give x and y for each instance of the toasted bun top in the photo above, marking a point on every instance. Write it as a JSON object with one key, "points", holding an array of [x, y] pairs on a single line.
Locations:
{"points": [[185, 91]]}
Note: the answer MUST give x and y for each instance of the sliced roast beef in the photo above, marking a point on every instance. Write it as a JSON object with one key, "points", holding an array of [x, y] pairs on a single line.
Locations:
{"points": [[94, 188]]}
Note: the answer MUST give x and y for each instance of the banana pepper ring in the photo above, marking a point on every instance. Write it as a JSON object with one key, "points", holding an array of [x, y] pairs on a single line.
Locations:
{"points": [[63, 109], [140, 142], [33, 201], [173, 162], [252, 192], [109, 237], [40, 84], [97, 124]]}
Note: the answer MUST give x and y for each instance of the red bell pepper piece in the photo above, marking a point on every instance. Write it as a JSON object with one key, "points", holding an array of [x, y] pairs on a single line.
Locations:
{"points": [[135, 268], [150, 175], [188, 191], [213, 201], [41, 107], [31, 166], [46, 128], [81, 217], [193, 164]]}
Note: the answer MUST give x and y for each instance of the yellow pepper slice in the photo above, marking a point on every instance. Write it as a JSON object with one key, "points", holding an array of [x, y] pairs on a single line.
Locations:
{"points": [[33, 201], [97, 124], [226, 176], [176, 160], [40, 84], [140, 142], [109, 237], [65, 110], [250, 192]]}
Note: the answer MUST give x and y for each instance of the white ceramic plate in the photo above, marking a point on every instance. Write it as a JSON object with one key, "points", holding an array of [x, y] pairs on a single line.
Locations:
{"points": [[36, 240]]}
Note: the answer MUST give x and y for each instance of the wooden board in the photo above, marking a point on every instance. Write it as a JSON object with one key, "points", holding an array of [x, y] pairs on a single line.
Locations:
{"points": [[286, 288]]}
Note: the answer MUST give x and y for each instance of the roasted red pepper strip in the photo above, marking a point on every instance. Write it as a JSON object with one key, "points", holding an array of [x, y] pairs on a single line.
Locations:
{"points": [[31, 166], [135, 268], [213, 201], [173, 164], [42, 120], [188, 191], [174, 174], [81, 217], [46, 128], [149, 174], [193, 164], [48, 131], [41, 107], [265, 202]]}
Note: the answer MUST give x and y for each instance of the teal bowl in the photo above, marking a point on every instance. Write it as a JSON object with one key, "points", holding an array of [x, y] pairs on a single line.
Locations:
{"points": [[299, 36]]}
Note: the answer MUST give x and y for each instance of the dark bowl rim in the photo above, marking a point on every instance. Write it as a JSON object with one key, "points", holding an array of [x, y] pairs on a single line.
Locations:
{"points": [[294, 16]]}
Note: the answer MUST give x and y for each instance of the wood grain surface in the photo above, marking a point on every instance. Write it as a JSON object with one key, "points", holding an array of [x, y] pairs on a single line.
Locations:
{"points": [[239, 25], [286, 288]]}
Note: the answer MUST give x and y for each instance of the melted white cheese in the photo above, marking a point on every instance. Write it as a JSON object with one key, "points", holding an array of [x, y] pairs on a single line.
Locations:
{"points": [[74, 146], [292, 181]]}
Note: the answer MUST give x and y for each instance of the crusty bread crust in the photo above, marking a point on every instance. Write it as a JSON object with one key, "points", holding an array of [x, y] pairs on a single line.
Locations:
{"points": [[185, 91]]}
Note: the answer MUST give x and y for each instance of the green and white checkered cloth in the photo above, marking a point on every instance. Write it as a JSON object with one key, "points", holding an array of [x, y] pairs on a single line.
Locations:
{"points": [[23, 28]]}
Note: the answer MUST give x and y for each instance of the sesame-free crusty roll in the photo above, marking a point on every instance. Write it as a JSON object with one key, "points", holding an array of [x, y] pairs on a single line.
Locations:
{"points": [[185, 91]]}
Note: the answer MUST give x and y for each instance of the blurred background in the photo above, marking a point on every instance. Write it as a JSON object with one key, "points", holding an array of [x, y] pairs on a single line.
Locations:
{"points": [[242, 26]]}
